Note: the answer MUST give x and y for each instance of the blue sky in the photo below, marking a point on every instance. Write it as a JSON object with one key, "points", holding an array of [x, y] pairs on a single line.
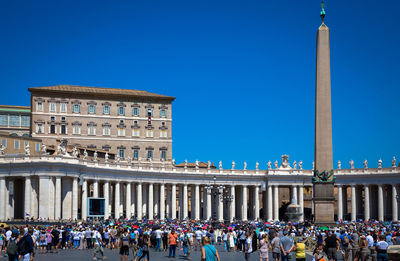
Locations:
{"points": [[243, 72]]}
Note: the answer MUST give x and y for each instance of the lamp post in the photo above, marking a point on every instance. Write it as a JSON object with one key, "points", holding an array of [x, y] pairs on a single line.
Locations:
{"points": [[218, 193]]}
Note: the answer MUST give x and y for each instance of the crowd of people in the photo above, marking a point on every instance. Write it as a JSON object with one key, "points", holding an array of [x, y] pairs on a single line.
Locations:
{"points": [[359, 241]]}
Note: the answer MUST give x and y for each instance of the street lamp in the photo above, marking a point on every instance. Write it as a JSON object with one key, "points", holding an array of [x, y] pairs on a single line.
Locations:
{"points": [[218, 192]]}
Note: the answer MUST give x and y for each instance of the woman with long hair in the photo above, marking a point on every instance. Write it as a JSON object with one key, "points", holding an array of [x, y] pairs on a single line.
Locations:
{"points": [[264, 246]]}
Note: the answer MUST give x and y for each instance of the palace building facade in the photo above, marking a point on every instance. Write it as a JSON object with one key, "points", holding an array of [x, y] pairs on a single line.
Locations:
{"points": [[129, 123]]}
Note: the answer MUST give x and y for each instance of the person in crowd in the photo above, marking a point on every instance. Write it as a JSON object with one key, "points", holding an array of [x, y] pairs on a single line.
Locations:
{"points": [[276, 247], [286, 245], [172, 242], [124, 245], [248, 246], [264, 246], [300, 249], [381, 248], [331, 245], [208, 251]]}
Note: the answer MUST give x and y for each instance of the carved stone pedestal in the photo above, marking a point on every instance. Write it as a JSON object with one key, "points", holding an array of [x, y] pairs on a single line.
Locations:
{"points": [[324, 203]]}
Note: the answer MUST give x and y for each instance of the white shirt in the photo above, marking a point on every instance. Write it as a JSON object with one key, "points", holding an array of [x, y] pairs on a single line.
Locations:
{"points": [[8, 235], [198, 234], [97, 236], [158, 233], [249, 245], [370, 240]]}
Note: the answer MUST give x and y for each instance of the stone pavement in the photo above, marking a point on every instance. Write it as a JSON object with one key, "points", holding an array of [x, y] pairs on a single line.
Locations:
{"points": [[76, 255]]}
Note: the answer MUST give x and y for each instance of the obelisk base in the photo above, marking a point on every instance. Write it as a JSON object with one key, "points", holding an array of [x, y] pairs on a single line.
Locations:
{"points": [[324, 203]]}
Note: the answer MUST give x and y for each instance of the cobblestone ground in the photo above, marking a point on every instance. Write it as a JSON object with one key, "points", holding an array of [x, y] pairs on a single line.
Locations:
{"points": [[76, 255]]}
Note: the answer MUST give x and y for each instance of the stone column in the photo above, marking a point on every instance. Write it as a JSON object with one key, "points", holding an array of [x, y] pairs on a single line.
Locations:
{"points": [[276, 202], [106, 189], [58, 203], [139, 201], [197, 202], [75, 198], [256, 203], [162, 201], [220, 207], [380, 203], [67, 197], [232, 204], [2, 198], [185, 201], [301, 202], [366, 203], [133, 200], [144, 199], [84, 199], [11, 199], [353, 203], [128, 201], [28, 192], [340, 202], [395, 210], [43, 197], [95, 189], [209, 204], [51, 200], [156, 200], [173, 201], [117, 200], [269, 198], [150, 201], [294, 194], [244, 206]]}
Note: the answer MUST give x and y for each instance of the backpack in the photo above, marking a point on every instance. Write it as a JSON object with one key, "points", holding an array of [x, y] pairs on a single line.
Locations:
{"points": [[125, 240], [12, 247], [185, 240], [346, 240], [22, 246]]}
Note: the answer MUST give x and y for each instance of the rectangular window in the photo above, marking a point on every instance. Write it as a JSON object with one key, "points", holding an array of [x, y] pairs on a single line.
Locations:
{"points": [[106, 109], [106, 130], [121, 110], [163, 134], [76, 129], [63, 107], [37, 147], [92, 130], [121, 131], [76, 108], [52, 129], [136, 132], [25, 121], [149, 154], [122, 154], [164, 154], [149, 133], [16, 144], [150, 112], [163, 113], [14, 120], [3, 120], [39, 128], [39, 106], [135, 112], [135, 154], [4, 142], [92, 109], [63, 129], [52, 107]]}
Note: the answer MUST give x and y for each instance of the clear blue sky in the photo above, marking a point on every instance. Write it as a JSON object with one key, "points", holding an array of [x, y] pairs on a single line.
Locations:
{"points": [[243, 72]]}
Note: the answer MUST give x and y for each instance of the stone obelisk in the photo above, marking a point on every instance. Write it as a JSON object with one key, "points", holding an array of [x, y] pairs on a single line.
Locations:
{"points": [[323, 194]]}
